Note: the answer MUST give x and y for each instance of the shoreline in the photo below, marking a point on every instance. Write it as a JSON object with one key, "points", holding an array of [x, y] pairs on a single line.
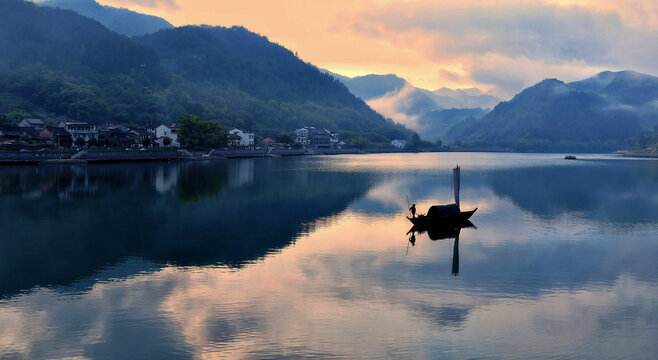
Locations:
{"points": [[96, 157]]}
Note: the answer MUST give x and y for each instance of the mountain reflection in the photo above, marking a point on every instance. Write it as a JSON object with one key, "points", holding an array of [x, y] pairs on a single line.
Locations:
{"points": [[74, 220], [623, 193]]}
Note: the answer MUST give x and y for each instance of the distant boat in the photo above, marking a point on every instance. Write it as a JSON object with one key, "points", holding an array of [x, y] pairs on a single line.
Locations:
{"points": [[445, 214], [571, 157]]}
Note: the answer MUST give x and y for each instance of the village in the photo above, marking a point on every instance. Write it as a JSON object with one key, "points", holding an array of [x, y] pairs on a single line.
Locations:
{"points": [[35, 135]]}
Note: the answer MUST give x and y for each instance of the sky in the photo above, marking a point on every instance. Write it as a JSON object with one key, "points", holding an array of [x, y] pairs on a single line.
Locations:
{"points": [[497, 46]]}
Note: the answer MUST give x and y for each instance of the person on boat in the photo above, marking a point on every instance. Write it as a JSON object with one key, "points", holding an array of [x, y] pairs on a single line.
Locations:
{"points": [[413, 210], [412, 239]]}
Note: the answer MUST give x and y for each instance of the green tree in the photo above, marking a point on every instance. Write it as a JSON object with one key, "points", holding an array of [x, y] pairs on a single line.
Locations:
{"points": [[285, 139], [93, 141], [147, 141], [439, 143], [359, 142], [80, 141], [200, 133], [166, 141]]}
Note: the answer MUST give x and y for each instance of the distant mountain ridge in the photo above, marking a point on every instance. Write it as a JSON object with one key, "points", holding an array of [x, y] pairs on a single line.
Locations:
{"points": [[596, 114], [121, 20], [431, 113]]}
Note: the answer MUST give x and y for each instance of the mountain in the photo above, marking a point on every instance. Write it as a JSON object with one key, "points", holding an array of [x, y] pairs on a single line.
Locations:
{"points": [[59, 64], [596, 114], [370, 87], [123, 21], [430, 113]]}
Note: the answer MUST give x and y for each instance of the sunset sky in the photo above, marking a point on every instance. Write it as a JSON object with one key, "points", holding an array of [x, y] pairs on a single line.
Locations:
{"points": [[502, 46]]}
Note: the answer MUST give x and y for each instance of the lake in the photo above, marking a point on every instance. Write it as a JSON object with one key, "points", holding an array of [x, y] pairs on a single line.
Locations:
{"points": [[309, 257]]}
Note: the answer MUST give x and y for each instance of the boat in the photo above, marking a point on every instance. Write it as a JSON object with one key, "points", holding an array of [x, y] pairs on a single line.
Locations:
{"points": [[571, 157], [445, 214]]}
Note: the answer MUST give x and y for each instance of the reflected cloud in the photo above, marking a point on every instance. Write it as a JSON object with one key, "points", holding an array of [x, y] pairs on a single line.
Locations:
{"points": [[213, 277]]}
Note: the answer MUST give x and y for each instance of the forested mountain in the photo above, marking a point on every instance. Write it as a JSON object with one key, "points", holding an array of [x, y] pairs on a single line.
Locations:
{"points": [[123, 21], [599, 113], [59, 64]]}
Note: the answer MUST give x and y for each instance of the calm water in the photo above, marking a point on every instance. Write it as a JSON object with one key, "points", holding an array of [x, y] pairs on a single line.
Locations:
{"points": [[309, 257]]}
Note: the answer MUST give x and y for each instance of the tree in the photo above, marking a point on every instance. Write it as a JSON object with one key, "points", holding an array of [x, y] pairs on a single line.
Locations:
{"points": [[80, 141], [93, 141], [166, 141], [147, 141], [439, 143], [359, 142], [200, 133], [285, 139]]}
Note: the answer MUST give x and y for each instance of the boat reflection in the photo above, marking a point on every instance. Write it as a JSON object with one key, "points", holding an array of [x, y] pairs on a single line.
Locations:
{"points": [[442, 232]]}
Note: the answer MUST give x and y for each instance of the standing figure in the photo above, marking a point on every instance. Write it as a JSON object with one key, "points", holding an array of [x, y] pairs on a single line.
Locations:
{"points": [[413, 210]]}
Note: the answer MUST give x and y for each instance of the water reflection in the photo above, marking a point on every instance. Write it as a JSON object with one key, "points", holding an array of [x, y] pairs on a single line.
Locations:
{"points": [[442, 232], [304, 258], [75, 220], [623, 192]]}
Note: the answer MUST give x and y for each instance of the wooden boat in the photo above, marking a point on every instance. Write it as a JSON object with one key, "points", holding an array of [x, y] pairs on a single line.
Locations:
{"points": [[445, 214]]}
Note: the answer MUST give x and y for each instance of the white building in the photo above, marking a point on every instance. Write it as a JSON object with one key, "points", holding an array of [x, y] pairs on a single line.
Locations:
{"points": [[317, 138], [241, 138], [167, 131], [80, 130], [398, 143]]}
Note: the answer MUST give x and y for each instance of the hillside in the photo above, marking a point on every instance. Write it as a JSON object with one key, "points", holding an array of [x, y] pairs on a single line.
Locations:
{"points": [[63, 65], [123, 21], [596, 114]]}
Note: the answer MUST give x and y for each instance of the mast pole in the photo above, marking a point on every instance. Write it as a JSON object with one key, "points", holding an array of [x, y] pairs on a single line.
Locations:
{"points": [[456, 181]]}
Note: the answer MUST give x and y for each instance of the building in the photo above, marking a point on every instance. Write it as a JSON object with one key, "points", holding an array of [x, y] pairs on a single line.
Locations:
{"points": [[80, 130], [57, 135], [167, 131], [398, 143], [310, 137], [143, 134], [17, 133], [116, 137], [239, 138], [36, 124]]}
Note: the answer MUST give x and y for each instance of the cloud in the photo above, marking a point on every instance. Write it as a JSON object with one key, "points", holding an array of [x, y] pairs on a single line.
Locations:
{"points": [[541, 37], [389, 106]]}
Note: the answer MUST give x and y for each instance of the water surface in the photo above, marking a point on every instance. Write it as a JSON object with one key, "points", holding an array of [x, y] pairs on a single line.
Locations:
{"points": [[309, 257]]}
